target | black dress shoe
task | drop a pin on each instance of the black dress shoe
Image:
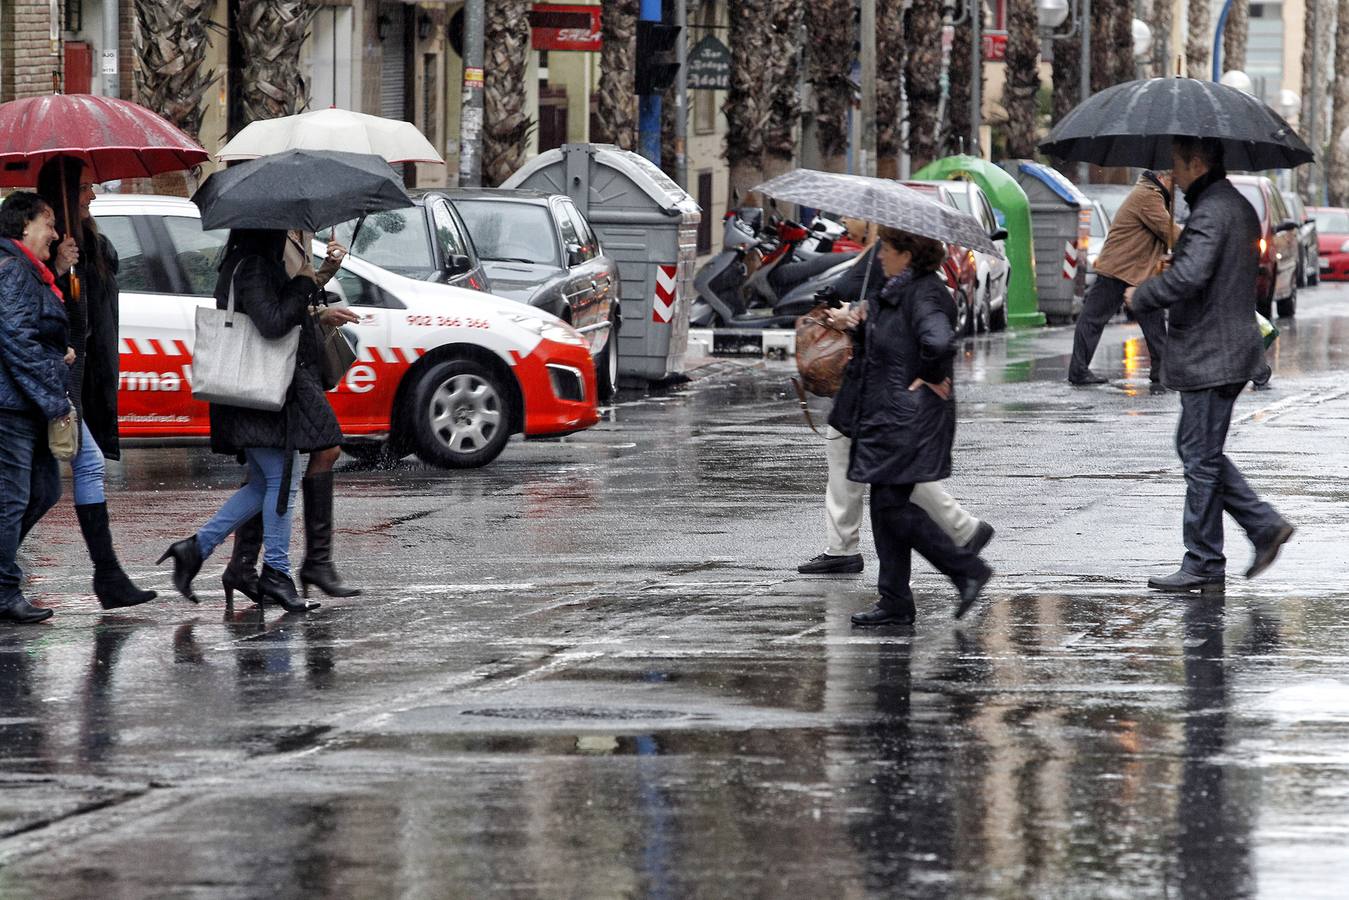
(1085, 380)
(979, 540)
(1157, 388)
(277, 587)
(1267, 548)
(21, 612)
(828, 564)
(1180, 580)
(880, 615)
(970, 589)
(186, 564)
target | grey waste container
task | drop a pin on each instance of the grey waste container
(649, 225)
(1060, 229)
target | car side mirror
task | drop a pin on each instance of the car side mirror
(574, 257)
(999, 234)
(1288, 225)
(458, 264)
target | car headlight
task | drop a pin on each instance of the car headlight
(1344, 248)
(560, 332)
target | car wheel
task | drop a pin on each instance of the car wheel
(964, 319)
(1288, 306)
(1300, 274)
(997, 318)
(459, 415)
(1265, 305)
(983, 313)
(606, 367)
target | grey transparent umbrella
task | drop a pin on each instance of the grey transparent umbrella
(881, 201)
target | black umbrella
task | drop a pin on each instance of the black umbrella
(305, 189)
(1132, 124)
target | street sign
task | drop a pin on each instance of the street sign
(995, 46)
(709, 66)
(563, 26)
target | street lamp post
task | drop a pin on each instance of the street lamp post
(1052, 15)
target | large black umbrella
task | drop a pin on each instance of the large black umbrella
(1132, 124)
(305, 189)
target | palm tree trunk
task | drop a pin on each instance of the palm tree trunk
(170, 41)
(784, 109)
(616, 108)
(891, 60)
(1198, 57)
(958, 136)
(1337, 174)
(747, 101)
(272, 33)
(1067, 93)
(830, 55)
(1315, 28)
(1023, 77)
(505, 126)
(1163, 65)
(1235, 34)
(1126, 67)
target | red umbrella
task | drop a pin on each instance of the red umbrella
(114, 138)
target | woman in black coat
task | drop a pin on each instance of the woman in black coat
(904, 423)
(269, 442)
(95, 374)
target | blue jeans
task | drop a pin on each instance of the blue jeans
(87, 470)
(30, 484)
(265, 465)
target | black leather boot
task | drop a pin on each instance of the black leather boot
(111, 585)
(21, 612)
(241, 574)
(276, 587)
(318, 568)
(186, 564)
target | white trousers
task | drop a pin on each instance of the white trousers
(843, 502)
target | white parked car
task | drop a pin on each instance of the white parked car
(994, 273)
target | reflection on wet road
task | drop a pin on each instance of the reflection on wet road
(590, 670)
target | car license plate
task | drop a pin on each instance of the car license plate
(1325, 263)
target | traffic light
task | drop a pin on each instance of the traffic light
(656, 66)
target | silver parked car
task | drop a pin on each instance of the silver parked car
(537, 248)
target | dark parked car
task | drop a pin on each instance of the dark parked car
(537, 248)
(1276, 283)
(1308, 268)
(429, 242)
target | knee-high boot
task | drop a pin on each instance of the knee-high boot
(111, 585)
(318, 568)
(241, 574)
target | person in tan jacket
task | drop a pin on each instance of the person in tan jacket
(1133, 250)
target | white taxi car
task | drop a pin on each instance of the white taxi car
(445, 372)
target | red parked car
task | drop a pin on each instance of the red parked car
(1332, 229)
(960, 270)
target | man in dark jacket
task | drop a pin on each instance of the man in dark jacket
(1213, 349)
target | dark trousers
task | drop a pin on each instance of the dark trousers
(899, 527)
(1212, 483)
(1103, 300)
(30, 484)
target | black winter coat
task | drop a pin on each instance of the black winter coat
(95, 377)
(275, 304)
(1211, 336)
(34, 377)
(901, 436)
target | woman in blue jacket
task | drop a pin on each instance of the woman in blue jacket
(34, 369)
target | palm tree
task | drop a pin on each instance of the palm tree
(1126, 66)
(271, 33)
(1235, 34)
(170, 41)
(830, 57)
(958, 137)
(747, 102)
(1067, 84)
(891, 52)
(506, 127)
(922, 86)
(1337, 171)
(1023, 77)
(1112, 43)
(616, 109)
(1162, 14)
(1198, 63)
(1317, 28)
(784, 105)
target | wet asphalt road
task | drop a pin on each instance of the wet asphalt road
(590, 670)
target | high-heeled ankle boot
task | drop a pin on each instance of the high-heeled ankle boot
(187, 561)
(318, 568)
(112, 587)
(241, 574)
(276, 587)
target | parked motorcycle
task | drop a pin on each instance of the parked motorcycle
(745, 284)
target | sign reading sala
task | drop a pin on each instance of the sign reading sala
(709, 66)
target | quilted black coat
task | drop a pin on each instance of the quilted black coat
(275, 304)
(901, 436)
(93, 333)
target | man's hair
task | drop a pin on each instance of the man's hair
(1209, 151)
(20, 208)
(927, 253)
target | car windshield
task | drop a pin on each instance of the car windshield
(1254, 196)
(510, 232)
(396, 240)
(1097, 222)
(1332, 221)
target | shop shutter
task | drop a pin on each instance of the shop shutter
(392, 99)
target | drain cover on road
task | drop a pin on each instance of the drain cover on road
(562, 713)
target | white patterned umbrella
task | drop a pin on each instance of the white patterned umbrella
(332, 129)
(881, 201)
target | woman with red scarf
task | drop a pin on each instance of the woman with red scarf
(34, 371)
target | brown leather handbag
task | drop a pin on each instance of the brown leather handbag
(822, 352)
